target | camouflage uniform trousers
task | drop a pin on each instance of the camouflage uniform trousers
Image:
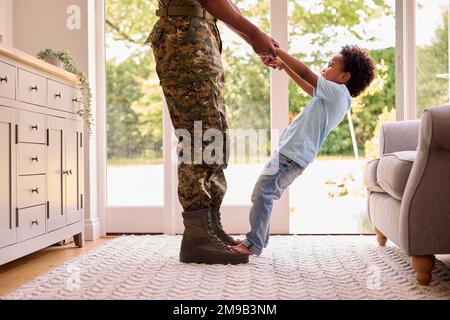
(187, 52)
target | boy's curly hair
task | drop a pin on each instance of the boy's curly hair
(358, 63)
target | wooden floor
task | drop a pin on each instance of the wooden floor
(18, 272)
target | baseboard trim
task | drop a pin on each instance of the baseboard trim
(92, 229)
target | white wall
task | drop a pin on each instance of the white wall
(6, 21)
(40, 24)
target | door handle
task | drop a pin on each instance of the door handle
(35, 190)
(35, 159)
(4, 79)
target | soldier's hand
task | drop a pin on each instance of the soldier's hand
(263, 45)
(275, 43)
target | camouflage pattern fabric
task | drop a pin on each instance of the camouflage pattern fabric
(177, 3)
(187, 49)
(187, 53)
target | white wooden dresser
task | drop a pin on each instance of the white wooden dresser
(41, 155)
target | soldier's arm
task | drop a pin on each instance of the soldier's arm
(225, 11)
(242, 35)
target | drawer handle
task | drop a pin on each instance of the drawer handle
(35, 88)
(36, 190)
(35, 159)
(35, 127)
(36, 222)
(58, 95)
(76, 100)
(68, 172)
(4, 79)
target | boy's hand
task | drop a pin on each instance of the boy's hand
(274, 63)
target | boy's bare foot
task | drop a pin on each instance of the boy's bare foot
(240, 248)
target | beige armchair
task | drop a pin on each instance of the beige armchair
(409, 188)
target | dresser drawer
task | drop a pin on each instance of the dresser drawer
(7, 81)
(31, 158)
(30, 190)
(32, 127)
(32, 88)
(31, 222)
(61, 97)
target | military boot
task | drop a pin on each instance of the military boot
(218, 228)
(201, 245)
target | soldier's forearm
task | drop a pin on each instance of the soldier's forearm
(242, 35)
(227, 12)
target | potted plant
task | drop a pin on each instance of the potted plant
(64, 60)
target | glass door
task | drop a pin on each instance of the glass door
(249, 114)
(134, 116)
(329, 197)
(432, 57)
(247, 97)
(141, 166)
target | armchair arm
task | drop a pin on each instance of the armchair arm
(425, 208)
(435, 131)
(399, 136)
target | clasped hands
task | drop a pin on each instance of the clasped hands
(266, 47)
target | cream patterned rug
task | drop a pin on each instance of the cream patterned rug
(292, 267)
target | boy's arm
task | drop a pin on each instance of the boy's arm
(298, 68)
(279, 64)
(300, 82)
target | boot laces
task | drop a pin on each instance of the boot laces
(211, 234)
(220, 228)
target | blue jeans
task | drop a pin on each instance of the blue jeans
(277, 175)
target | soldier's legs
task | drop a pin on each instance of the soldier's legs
(194, 186)
(217, 185)
(196, 108)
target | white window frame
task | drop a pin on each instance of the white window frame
(406, 98)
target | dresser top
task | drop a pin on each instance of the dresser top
(27, 59)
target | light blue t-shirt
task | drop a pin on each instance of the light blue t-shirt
(302, 140)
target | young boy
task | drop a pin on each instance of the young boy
(347, 75)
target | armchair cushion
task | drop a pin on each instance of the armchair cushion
(393, 172)
(370, 177)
